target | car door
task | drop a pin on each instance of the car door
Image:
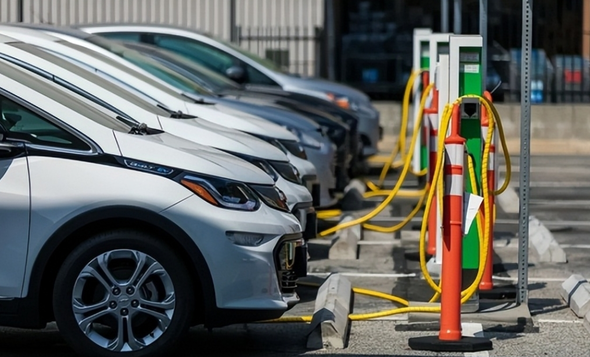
(41, 186)
(14, 205)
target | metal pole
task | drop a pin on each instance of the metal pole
(483, 31)
(444, 16)
(21, 11)
(457, 18)
(525, 138)
(232, 21)
(331, 45)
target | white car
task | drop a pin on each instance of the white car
(126, 236)
(130, 107)
(247, 68)
(135, 79)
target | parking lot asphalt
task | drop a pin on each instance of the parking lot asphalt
(560, 198)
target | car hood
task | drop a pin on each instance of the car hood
(235, 119)
(170, 150)
(307, 84)
(263, 108)
(210, 134)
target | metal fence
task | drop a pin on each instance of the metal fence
(274, 29)
(295, 49)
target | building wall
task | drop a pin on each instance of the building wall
(296, 17)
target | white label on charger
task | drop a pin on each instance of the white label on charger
(470, 68)
(471, 204)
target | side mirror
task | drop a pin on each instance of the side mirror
(235, 73)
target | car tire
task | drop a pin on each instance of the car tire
(123, 293)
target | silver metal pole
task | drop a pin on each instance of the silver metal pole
(233, 33)
(483, 31)
(457, 18)
(444, 16)
(525, 138)
(331, 39)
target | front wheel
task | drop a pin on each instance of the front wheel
(123, 293)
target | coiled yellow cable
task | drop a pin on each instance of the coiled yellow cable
(398, 185)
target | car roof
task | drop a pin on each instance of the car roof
(64, 30)
(153, 25)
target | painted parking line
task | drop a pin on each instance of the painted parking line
(548, 223)
(414, 275)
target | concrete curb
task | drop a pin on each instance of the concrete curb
(509, 200)
(330, 325)
(353, 199)
(544, 244)
(575, 291)
(345, 242)
(540, 238)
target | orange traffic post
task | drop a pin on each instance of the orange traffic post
(486, 286)
(449, 338)
(432, 118)
(450, 316)
(486, 282)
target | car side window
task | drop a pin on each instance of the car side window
(122, 36)
(257, 77)
(208, 56)
(21, 123)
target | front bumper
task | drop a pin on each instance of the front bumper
(342, 139)
(307, 216)
(324, 161)
(244, 277)
(369, 130)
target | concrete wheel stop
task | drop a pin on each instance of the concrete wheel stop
(330, 325)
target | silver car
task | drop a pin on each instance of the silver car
(245, 67)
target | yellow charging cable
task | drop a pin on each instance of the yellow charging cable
(398, 185)
(483, 236)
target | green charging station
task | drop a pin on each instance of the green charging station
(466, 77)
(421, 62)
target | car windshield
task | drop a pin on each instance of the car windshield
(261, 61)
(54, 92)
(93, 78)
(151, 66)
(140, 76)
(213, 80)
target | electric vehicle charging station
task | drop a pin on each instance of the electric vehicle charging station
(438, 74)
(421, 61)
(465, 77)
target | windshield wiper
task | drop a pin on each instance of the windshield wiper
(176, 114)
(143, 129)
(196, 98)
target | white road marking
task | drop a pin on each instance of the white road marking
(576, 246)
(368, 275)
(558, 223)
(531, 279)
(566, 203)
(551, 321)
(473, 330)
(547, 169)
(558, 184)
(414, 275)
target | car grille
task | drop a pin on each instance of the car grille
(290, 259)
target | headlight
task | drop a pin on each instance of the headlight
(287, 171)
(306, 139)
(309, 141)
(272, 196)
(343, 102)
(266, 167)
(222, 193)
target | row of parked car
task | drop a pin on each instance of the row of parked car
(154, 178)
